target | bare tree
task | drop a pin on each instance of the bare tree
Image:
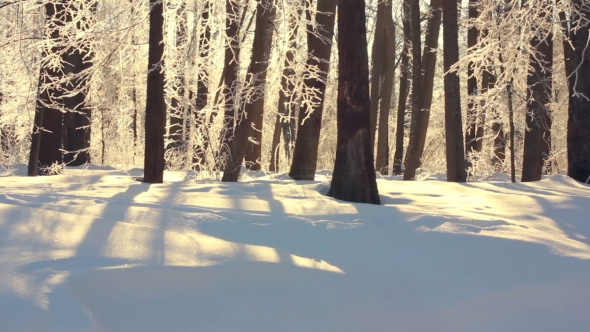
(155, 110)
(251, 121)
(455, 152)
(354, 172)
(421, 115)
(537, 139)
(257, 72)
(403, 91)
(383, 80)
(319, 44)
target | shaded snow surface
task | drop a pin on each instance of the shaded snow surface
(96, 250)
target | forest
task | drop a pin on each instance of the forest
(412, 88)
(295, 165)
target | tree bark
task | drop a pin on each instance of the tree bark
(388, 76)
(453, 123)
(253, 110)
(421, 115)
(305, 153)
(538, 118)
(50, 97)
(403, 93)
(230, 77)
(354, 172)
(78, 115)
(378, 62)
(265, 17)
(578, 126)
(155, 110)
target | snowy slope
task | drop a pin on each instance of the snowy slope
(96, 250)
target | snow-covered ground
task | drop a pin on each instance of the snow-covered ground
(96, 250)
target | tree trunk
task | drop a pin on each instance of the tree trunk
(578, 126)
(254, 109)
(453, 123)
(155, 110)
(421, 114)
(388, 39)
(474, 131)
(377, 71)
(33, 169)
(287, 101)
(305, 154)
(538, 118)
(403, 93)
(51, 94)
(77, 118)
(354, 172)
(230, 77)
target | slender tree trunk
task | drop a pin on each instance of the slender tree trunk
(474, 131)
(578, 126)
(509, 93)
(155, 110)
(377, 71)
(287, 100)
(421, 114)
(254, 108)
(453, 123)
(354, 172)
(538, 118)
(200, 156)
(37, 126)
(178, 107)
(265, 17)
(230, 77)
(403, 93)
(411, 156)
(388, 39)
(305, 154)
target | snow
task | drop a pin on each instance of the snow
(96, 250)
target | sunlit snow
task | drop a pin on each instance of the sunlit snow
(97, 250)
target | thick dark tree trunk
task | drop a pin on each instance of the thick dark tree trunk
(230, 77)
(453, 123)
(253, 110)
(287, 103)
(354, 172)
(578, 126)
(155, 110)
(77, 118)
(50, 97)
(305, 154)
(474, 123)
(265, 17)
(538, 118)
(403, 93)
(421, 116)
(387, 38)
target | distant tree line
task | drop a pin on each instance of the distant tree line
(257, 84)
